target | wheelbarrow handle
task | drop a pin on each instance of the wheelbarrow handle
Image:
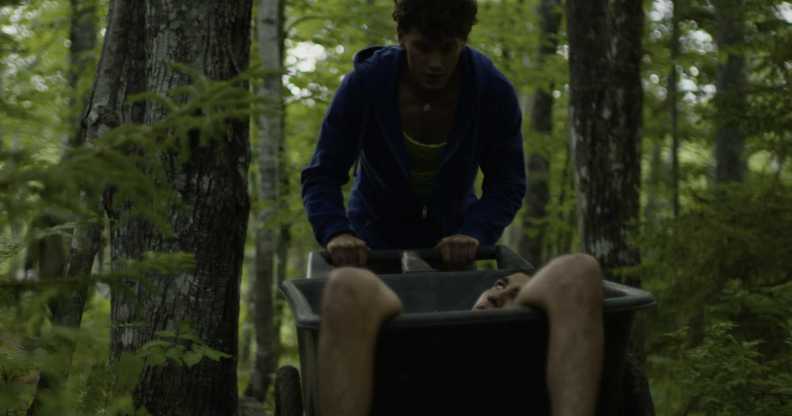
(319, 262)
(430, 254)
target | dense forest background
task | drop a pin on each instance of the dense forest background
(714, 230)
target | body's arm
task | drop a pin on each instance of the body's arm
(328, 170)
(503, 166)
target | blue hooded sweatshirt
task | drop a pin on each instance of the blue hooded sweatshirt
(363, 124)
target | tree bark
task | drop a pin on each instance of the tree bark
(209, 217)
(606, 98)
(270, 49)
(730, 100)
(653, 182)
(566, 217)
(50, 253)
(673, 89)
(86, 238)
(82, 36)
(605, 106)
(537, 163)
(284, 244)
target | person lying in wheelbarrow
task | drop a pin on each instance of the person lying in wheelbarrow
(356, 302)
(417, 122)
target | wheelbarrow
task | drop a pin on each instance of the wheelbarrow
(438, 356)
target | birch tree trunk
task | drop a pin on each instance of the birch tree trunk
(605, 107)
(537, 163)
(209, 217)
(270, 49)
(730, 99)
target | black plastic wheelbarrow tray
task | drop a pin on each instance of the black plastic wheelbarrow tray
(439, 357)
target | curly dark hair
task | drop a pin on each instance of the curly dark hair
(436, 17)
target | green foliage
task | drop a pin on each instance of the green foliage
(33, 65)
(180, 347)
(36, 182)
(719, 341)
(727, 375)
(30, 344)
(721, 272)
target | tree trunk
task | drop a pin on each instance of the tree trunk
(16, 228)
(208, 221)
(653, 181)
(49, 253)
(673, 89)
(284, 243)
(82, 36)
(537, 163)
(566, 217)
(606, 97)
(86, 238)
(730, 101)
(270, 47)
(606, 102)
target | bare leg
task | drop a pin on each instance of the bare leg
(354, 305)
(569, 289)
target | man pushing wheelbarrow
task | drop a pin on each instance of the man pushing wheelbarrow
(417, 121)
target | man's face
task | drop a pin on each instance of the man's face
(503, 294)
(432, 60)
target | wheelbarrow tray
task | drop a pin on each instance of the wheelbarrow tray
(440, 357)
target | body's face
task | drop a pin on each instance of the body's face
(431, 60)
(503, 294)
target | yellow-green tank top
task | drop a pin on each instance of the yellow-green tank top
(426, 160)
